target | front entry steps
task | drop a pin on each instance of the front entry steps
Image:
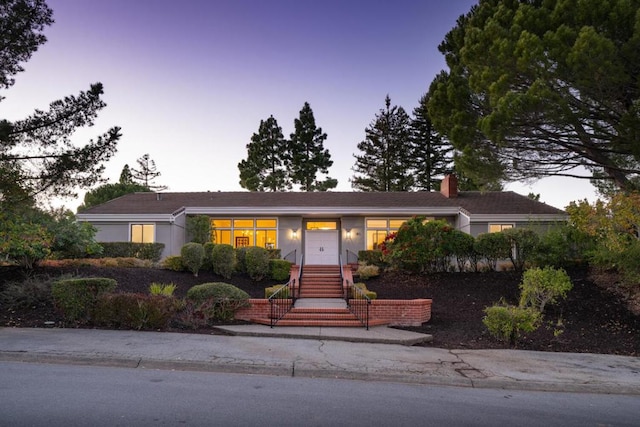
(320, 302)
(327, 312)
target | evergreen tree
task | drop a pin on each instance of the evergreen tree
(146, 174)
(264, 169)
(307, 153)
(431, 152)
(37, 157)
(125, 175)
(385, 162)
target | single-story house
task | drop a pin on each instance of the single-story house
(321, 225)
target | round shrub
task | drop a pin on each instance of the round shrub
(257, 261)
(279, 269)
(216, 290)
(208, 255)
(543, 286)
(507, 322)
(224, 259)
(174, 263)
(192, 256)
(76, 298)
(492, 247)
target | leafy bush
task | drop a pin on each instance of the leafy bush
(460, 246)
(173, 262)
(192, 257)
(507, 322)
(216, 300)
(543, 286)
(241, 256)
(363, 287)
(524, 243)
(71, 238)
(370, 257)
(199, 229)
(162, 289)
(257, 261)
(492, 247)
(273, 289)
(279, 269)
(150, 251)
(419, 246)
(207, 263)
(274, 253)
(133, 311)
(223, 259)
(365, 271)
(34, 291)
(76, 298)
(24, 243)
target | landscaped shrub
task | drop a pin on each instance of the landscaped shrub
(163, 289)
(365, 271)
(217, 300)
(150, 251)
(192, 257)
(279, 269)
(492, 247)
(257, 261)
(419, 246)
(506, 322)
(274, 253)
(460, 246)
(207, 263)
(76, 298)
(241, 255)
(33, 291)
(363, 287)
(24, 243)
(543, 286)
(223, 259)
(524, 242)
(199, 229)
(133, 311)
(173, 262)
(273, 289)
(371, 257)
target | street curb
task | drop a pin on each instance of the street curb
(291, 371)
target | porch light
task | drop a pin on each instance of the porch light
(348, 234)
(294, 233)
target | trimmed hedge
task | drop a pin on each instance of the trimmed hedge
(210, 301)
(216, 290)
(150, 251)
(134, 311)
(224, 260)
(192, 257)
(76, 298)
(257, 262)
(279, 269)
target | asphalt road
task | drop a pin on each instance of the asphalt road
(40, 394)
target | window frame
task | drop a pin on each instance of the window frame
(503, 226)
(232, 230)
(142, 224)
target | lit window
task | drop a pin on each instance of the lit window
(322, 225)
(496, 228)
(379, 228)
(143, 233)
(243, 232)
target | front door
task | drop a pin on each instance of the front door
(321, 247)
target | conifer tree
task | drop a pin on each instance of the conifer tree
(146, 174)
(431, 152)
(307, 154)
(385, 162)
(264, 169)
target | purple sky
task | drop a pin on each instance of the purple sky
(189, 81)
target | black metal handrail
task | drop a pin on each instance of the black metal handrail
(281, 302)
(359, 303)
(353, 259)
(295, 256)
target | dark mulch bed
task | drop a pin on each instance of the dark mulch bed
(591, 319)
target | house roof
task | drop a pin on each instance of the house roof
(469, 203)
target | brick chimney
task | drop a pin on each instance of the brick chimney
(449, 186)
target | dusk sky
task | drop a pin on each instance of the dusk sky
(189, 81)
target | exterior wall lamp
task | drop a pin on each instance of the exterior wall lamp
(348, 233)
(294, 233)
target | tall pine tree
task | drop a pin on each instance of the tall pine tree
(432, 154)
(146, 173)
(308, 156)
(385, 162)
(264, 169)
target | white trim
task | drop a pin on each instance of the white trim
(516, 217)
(125, 217)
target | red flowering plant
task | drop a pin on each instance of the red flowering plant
(387, 243)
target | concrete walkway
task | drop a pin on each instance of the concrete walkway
(318, 356)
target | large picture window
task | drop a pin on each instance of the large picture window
(143, 233)
(241, 232)
(379, 228)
